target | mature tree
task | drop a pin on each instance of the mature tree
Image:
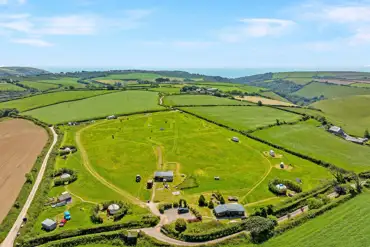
(211, 205)
(222, 200)
(338, 175)
(259, 103)
(366, 134)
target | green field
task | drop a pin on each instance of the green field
(190, 146)
(48, 99)
(308, 138)
(10, 87)
(169, 90)
(329, 91)
(351, 113)
(360, 84)
(244, 117)
(98, 107)
(300, 80)
(344, 226)
(135, 76)
(66, 82)
(200, 100)
(227, 87)
(41, 86)
(274, 96)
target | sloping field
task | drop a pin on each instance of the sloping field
(243, 117)
(119, 149)
(274, 96)
(351, 113)
(265, 101)
(10, 87)
(309, 139)
(21, 142)
(228, 87)
(98, 107)
(360, 84)
(48, 99)
(66, 82)
(344, 226)
(41, 86)
(300, 80)
(199, 100)
(330, 91)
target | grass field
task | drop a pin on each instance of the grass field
(48, 99)
(351, 113)
(300, 80)
(190, 146)
(10, 87)
(329, 90)
(41, 86)
(227, 87)
(135, 76)
(344, 226)
(264, 101)
(199, 100)
(360, 84)
(98, 107)
(66, 82)
(307, 138)
(244, 117)
(274, 96)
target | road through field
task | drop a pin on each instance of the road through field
(9, 240)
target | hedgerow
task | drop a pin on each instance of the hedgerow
(288, 183)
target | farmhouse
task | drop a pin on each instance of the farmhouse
(229, 210)
(113, 209)
(65, 197)
(336, 130)
(163, 176)
(49, 225)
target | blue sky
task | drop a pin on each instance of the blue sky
(185, 34)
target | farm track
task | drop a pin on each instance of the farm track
(90, 169)
(10, 238)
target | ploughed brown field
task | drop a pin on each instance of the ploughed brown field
(21, 141)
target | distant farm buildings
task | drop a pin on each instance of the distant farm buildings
(339, 132)
(229, 210)
(163, 176)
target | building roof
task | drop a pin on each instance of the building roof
(335, 128)
(48, 222)
(65, 175)
(354, 139)
(64, 196)
(163, 174)
(230, 207)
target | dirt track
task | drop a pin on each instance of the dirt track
(21, 142)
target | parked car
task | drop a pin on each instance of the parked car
(62, 222)
(182, 210)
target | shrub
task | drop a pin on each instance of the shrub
(324, 198)
(314, 203)
(211, 205)
(261, 229)
(180, 225)
(164, 206)
(202, 201)
(175, 204)
(196, 213)
(29, 178)
(340, 189)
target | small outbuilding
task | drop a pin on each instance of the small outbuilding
(111, 117)
(229, 210)
(232, 199)
(65, 176)
(235, 139)
(149, 184)
(138, 178)
(65, 197)
(336, 130)
(163, 176)
(282, 165)
(272, 153)
(49, 225)
(281, 187)
(113, 209)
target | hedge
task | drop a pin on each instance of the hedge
(13, 213)
(146, 221)
(299, 220)
(288, 183)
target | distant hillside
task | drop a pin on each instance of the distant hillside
(21, 71)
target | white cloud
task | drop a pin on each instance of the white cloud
(255, 28)
(32, 42)
(67, 25)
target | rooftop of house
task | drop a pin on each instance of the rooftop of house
(48, 222)
(230, 207)
(335, 128)
(163, 174)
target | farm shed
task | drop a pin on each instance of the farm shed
(113, 209)
(356, 140)
(49, 225)
(65, 197)
(111, 117)
(336, 130)
(229, 210)
(161, 176)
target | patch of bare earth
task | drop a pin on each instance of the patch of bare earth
(21, 141)
(264, 101)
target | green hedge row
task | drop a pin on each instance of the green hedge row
(146, 221)
(310, 215)
(12, 215)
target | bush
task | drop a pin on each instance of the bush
(180, 225)
(196, 213)
(261, 229)
(164, 206)
(314, 203)
(29, 178)
(175, 204)
(202, 201)
(211, 205)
